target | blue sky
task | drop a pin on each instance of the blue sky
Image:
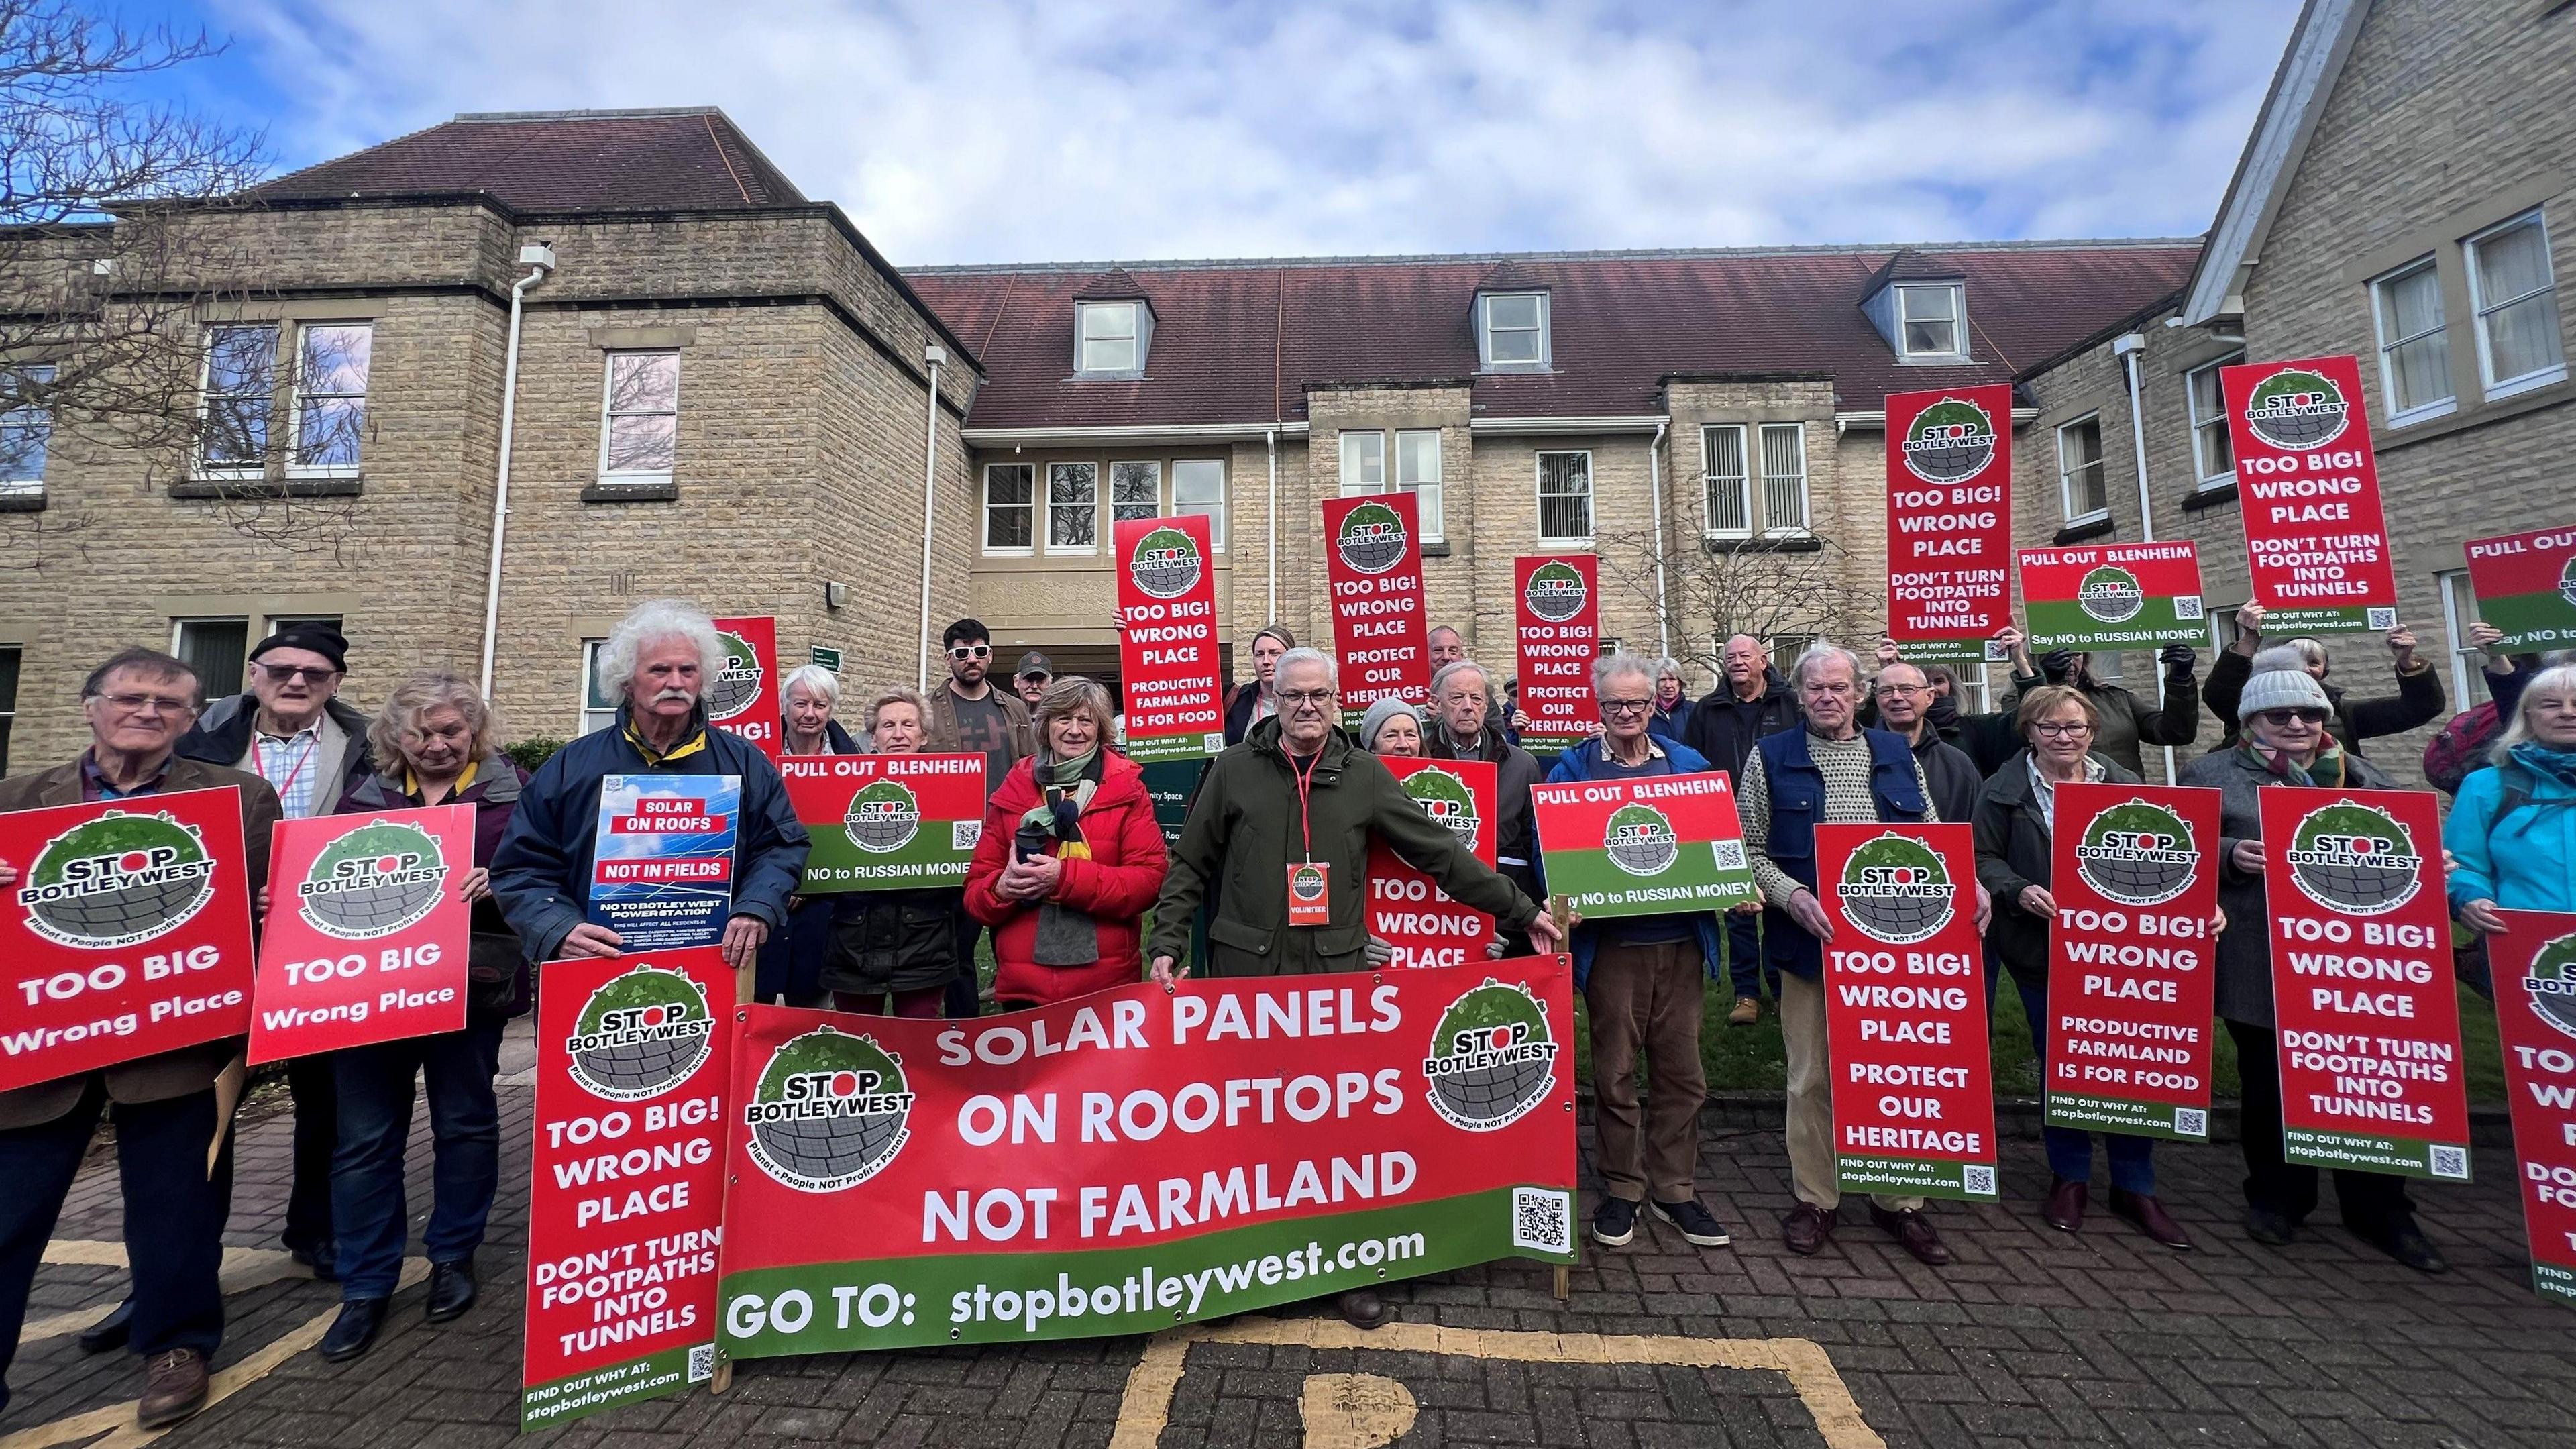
(971, 130)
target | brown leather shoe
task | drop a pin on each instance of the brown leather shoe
(2152, 1219)
(174, 1387)
(2064, 1208)
(1748, 1010)
(1913, 1232)
(1807, 1229)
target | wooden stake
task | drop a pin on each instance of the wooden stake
(745, 981)
(1557, 911)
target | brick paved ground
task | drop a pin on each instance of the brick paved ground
(2030, 1338)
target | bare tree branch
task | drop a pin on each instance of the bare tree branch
(1773, 588)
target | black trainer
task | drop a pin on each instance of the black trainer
(1615, 1222)
(1698, 1226)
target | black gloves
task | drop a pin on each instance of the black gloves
(2177, 659)
(2057, 666)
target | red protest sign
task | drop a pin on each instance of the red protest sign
(366, 936)
(1167, 652)
(1559, 610)
(886, 822)
(1905, 1011)
(1648, 845)
(2132, 977)
(2112, 596)
(1408, 908)
(2367, 1015)
(634, 1054)
(744, 698)
(2535, 999)
(127, 934)
(1373, 560)
(1949, 520)
(2308, 485)
(2526, 586)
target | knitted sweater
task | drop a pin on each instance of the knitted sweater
(1845, 765)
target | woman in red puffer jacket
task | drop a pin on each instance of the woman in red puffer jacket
(1070, 858)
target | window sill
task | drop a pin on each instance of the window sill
(2515, 387)
(254, 486)
(1435, 548)
(2479, 416)
(2429, 413)
(1573, 543)
(1933, 359)
(2079, 530)
(29, 499)
(2201, 498)
(1772, 543)
(647, 490)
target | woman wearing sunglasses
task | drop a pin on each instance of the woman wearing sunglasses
(2283, 716)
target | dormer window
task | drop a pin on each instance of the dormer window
(1110, 338)
(1511, 332)
(1931, 319)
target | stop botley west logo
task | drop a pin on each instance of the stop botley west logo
(2354, 859)
(830, 1111)
(1640, 840)
(1445, 798)
(1895, 889)
(116, 881)
(1166, 563)
(737, 687)
(1951, 441)
(883, 817)
(2295, 408)
(2551, 984)
(1372, 538)
(2137, 854)
(640, 1035)
(1555, 592)
(373, 881)
(2111, 595)
(1492, 1058)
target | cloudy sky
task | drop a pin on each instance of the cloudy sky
(968, 130)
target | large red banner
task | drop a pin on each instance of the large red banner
(2308, 489)
(1949, 520)
(2133, 872)
(1407, 908)
(744, 698)
(2362, 995)
(127, 934)
(1373, 560)
(1167, 649)
(366, 935)
(2535, 999)
(634, 1054)
(1905, 1011)
(1138, 1158)
(1559, 607)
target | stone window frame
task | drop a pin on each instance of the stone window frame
(2459, 596)
(1544, 331)
(2205, 481)
(1351, 457)
(1090, 545)
(1590, 496)
(2384, 344)
(1027, 507)
(15, 653)
(587, 689)
(635, 480)
(1806, 499)
(2498, 389)
(2099, 463)
(1711, 479)
(1958, 319)
(23, 491)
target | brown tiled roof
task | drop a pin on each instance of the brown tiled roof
(1232, 337)
(692, 159)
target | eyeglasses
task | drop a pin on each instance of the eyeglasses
(2062, 729)
(309, 673)
(971, 651)
(147, 704)
(1625, 706)
(2278, 717)
(1885, 690)
(1306, 696)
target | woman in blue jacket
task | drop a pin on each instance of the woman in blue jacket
(2512, 832)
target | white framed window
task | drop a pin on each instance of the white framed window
(1730, 500)
(639, 422)
(1931, 319)
(1784, 478)
(236, 399)
(2459, 611)
(1198, 487)
(1565, 497)
(1417, 471)
(2080, 486)
(1109, 338)
(2213, 452)
(1135, 490)
(2414, 350)
(598, 709)
(26, 430)
(1512, 331)
(1010, 507)
(1073, 507)
(1363, 462)
(9, 661)
(331, 364)
(2516, 298)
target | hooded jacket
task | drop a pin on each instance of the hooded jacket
(1114, 886)
(497, 970)
(221, 736)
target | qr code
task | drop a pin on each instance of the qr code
(2191, 1122)
(1978, 1179)
(962, 834)
(1213, 741)
(2186, 606)
(2451, 1162)
(702, 1363)
(2381, 619)
(1729, 853)
(1542, 1220)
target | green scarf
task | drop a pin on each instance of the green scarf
(1066, 936)
(2325, 772)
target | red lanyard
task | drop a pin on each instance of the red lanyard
(301, 761)
(1305, 799)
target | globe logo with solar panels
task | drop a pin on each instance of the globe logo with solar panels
(1445, 798)
(1166, 563)
(373, 881)
(1640, 840)
(2567, 580)
(1371, 539)
(1897, 890)
(1492, 1058)
(831, 1111)
(1555, 592)
(2295, 408)
(117, 880)
(736, 687)
(883, 817)
(641, 1034)
(2137, 854)
(2354, 858)
(2110, 594)
(2551, 984)
(1951, 441)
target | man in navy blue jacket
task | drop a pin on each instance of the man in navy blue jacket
(658, 662)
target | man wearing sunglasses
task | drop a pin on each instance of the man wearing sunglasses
(970, 716)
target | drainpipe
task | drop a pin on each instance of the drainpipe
(933, 355)
(539, 259)
(1270, 439)
(1655, 485)
(2129, 349)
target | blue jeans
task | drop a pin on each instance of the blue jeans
(1745, 968)
(2070, 1152)
(375, 1127)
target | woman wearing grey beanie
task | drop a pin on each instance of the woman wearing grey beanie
(1403, 740)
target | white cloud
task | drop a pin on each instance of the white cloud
(969, 130)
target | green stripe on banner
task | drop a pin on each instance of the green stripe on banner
(1174, 747)
(2366, 1152)
(1917, 1177)
(2552, 1281)
(2529, 621)
(2136, 1119)
(934, 856)
(545, 1406)
(986, 1297)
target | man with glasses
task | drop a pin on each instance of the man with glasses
(292, 729)
(969, 716)
(171, 1111)
(1904, 698)
(1463, 728)
(1644, 979)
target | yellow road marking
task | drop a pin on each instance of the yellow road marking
(1355, 1411)
(243, 1270)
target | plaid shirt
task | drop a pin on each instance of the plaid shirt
(291, 764)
